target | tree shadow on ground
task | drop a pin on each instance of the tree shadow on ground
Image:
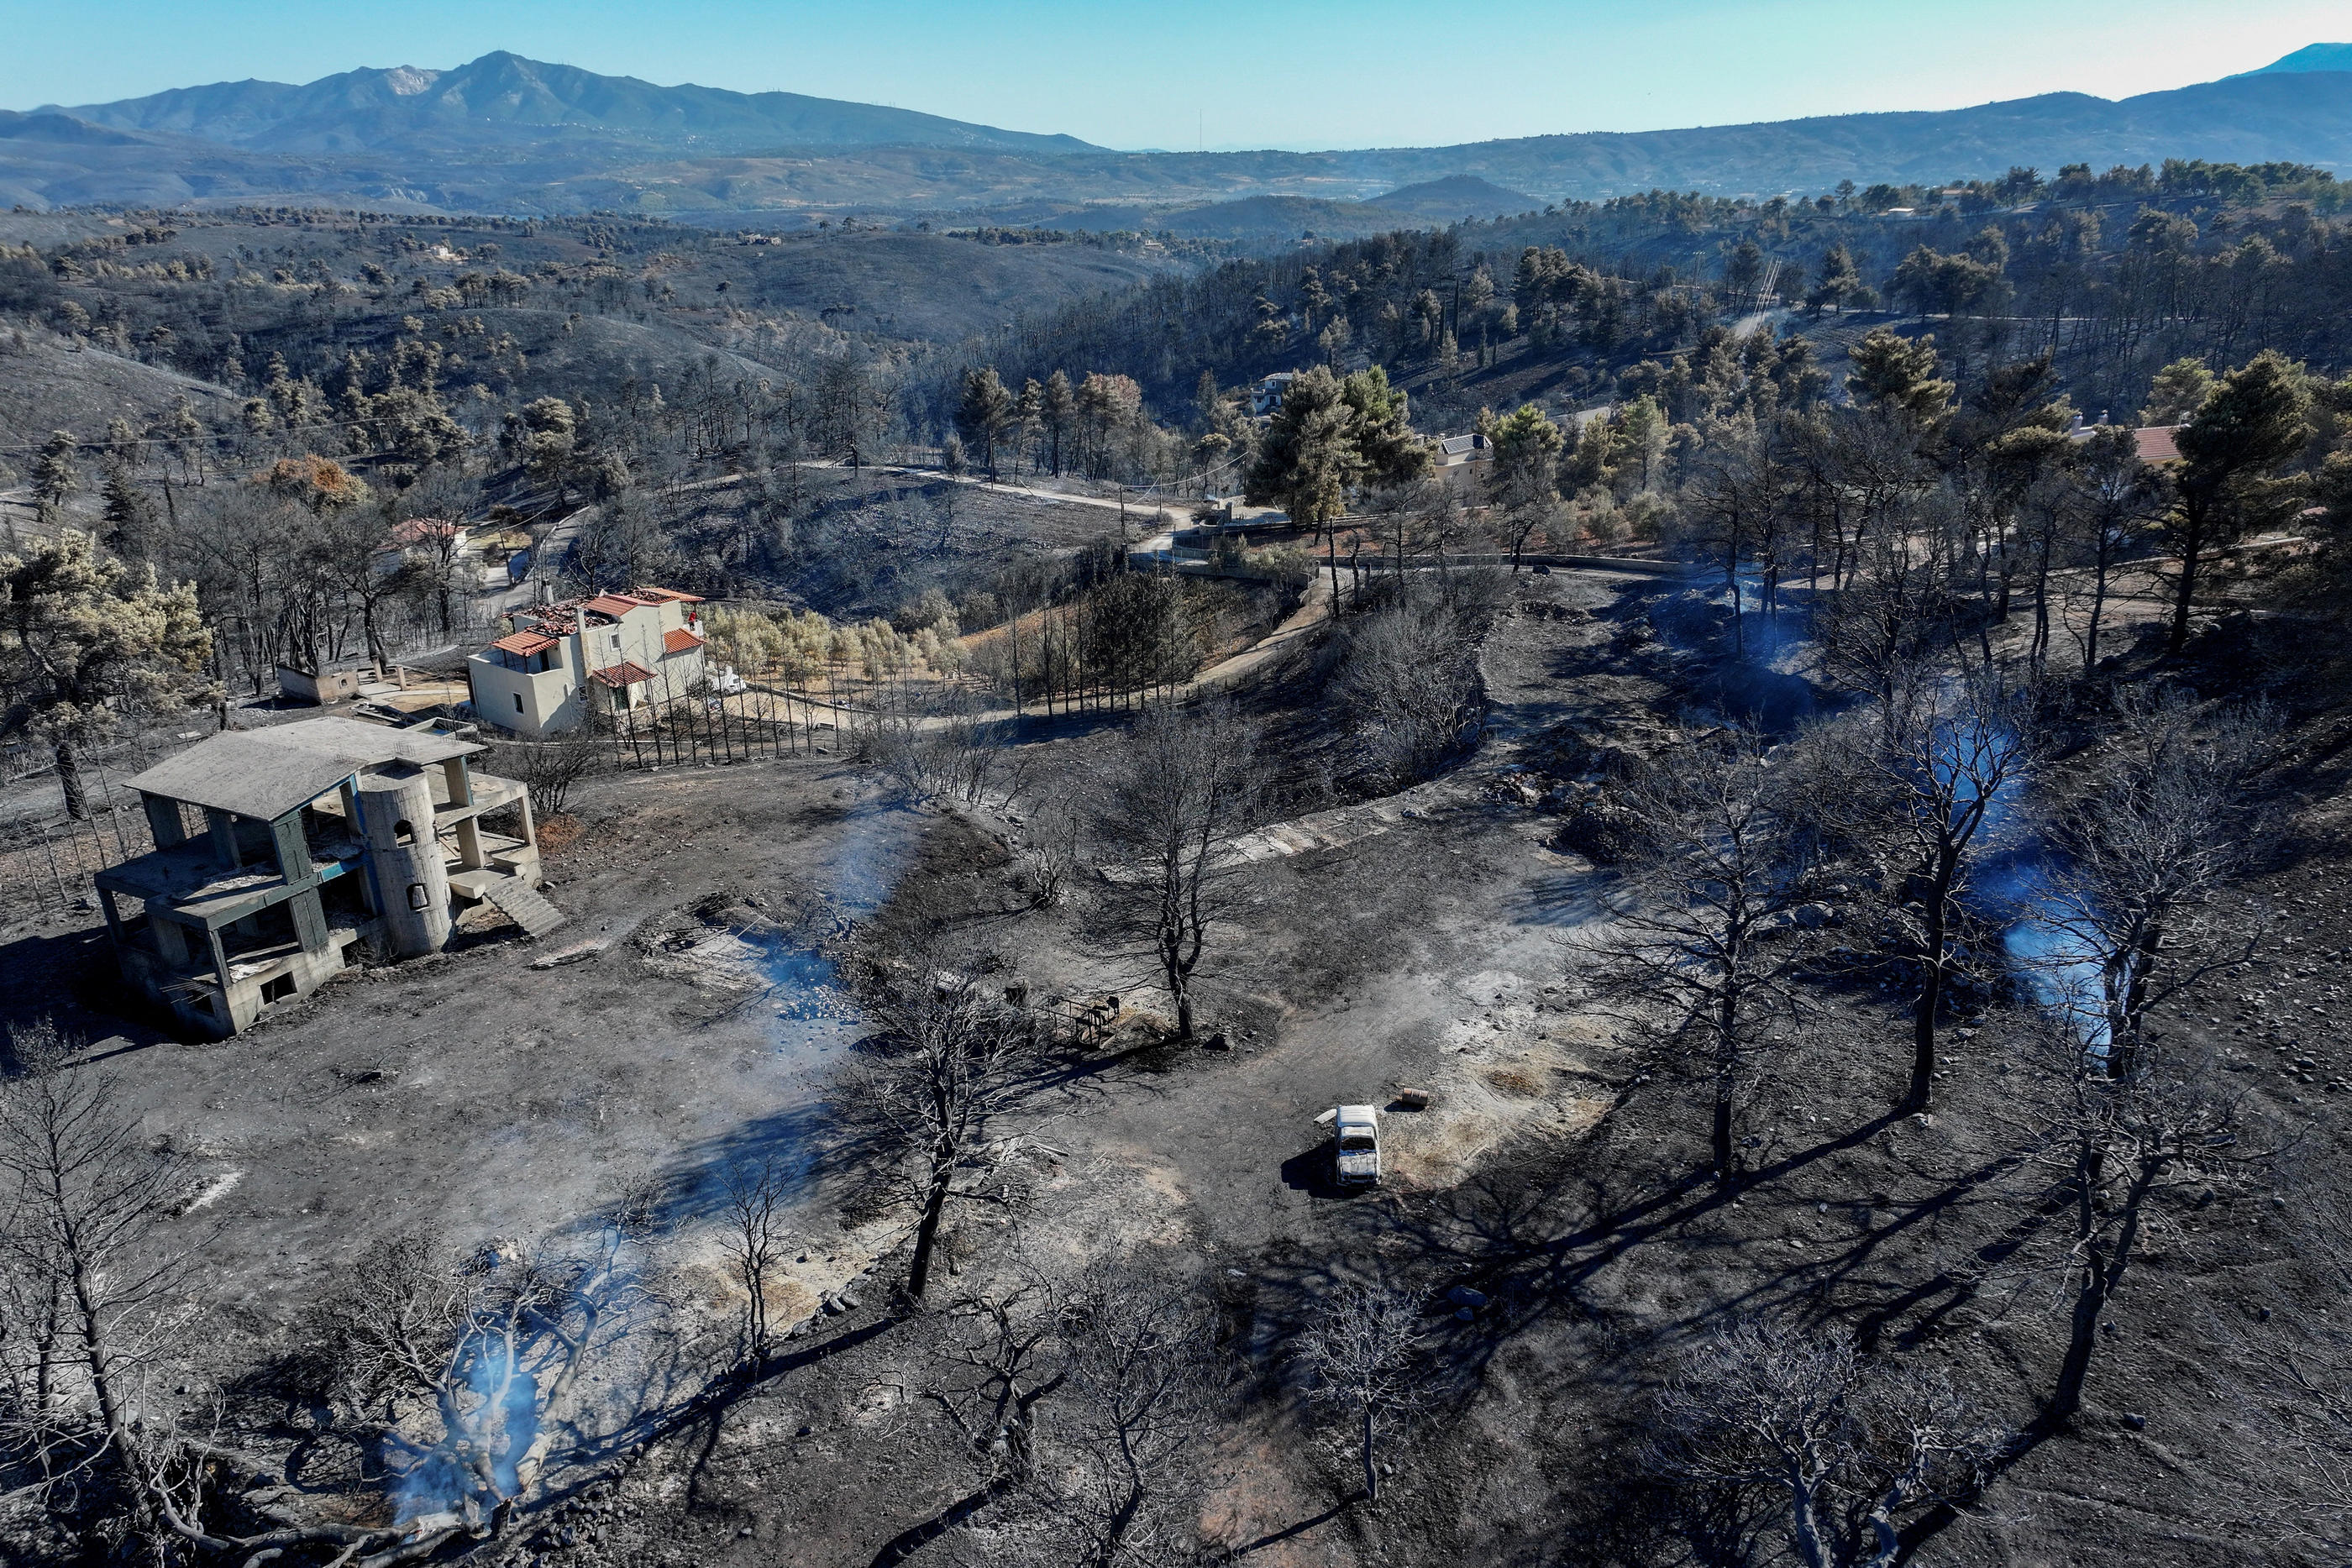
(69, 976)
(805, 1144)
(1556, 898)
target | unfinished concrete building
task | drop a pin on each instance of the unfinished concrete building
(284, 856)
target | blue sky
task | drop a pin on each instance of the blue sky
(1275, 73)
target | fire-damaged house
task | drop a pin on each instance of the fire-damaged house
(609, 654)
(284, 855)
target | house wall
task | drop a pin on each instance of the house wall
(1466, 475)
(550, 701)
(325, 687)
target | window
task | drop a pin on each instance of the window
(518, 698)
(402, 833)
(277, 990)
(416, 896)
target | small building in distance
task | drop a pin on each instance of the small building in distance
(284, 855)
(2158, 444)
(1462, 459)
(332, 681)
(611, 653)
(1267, 396)
(425, 541)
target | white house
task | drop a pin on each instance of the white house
(1460, 459)
(609, 654)
(1267, 396)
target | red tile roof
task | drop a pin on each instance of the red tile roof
(613, 604)
(523, 643)
(628, 672)
(678, 642)
(2156, 443)
(417, 530)
(667, 596)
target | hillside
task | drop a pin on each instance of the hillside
(49, 383)
(503, 99)
(1455, 196)
(509, 135)
(2311, 57)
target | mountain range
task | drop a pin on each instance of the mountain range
(508, 134)
(503, 99)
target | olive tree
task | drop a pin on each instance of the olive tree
(946, 1065)
(1705, 923)
(1365, 1353)
(1181, 785)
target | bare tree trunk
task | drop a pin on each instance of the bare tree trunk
(2082, 1338)
(1931, 983)
(69, 781)
(926, 1230)
(2098, 607)
(1922, 1018)
(2192, 538)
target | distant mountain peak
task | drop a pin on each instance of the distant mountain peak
(2310, 57)
(408, 82)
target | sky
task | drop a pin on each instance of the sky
(1272, 73)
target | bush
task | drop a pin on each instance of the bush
(1409, 678)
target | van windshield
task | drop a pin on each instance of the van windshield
(1355, 1140)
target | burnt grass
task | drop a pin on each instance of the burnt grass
(1929, 1236)
(1599, 1252)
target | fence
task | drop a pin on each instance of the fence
(756, 723)
(48, 866)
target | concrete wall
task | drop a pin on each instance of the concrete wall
(333, 685)
(163, 978)
(412, 879)
(535, 704)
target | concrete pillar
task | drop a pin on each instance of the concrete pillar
(459, 783)
(404, 854)
(224, 831)
(470, 844)
(171, 940)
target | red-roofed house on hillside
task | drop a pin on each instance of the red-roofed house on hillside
(430, 541)
(608, 654)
